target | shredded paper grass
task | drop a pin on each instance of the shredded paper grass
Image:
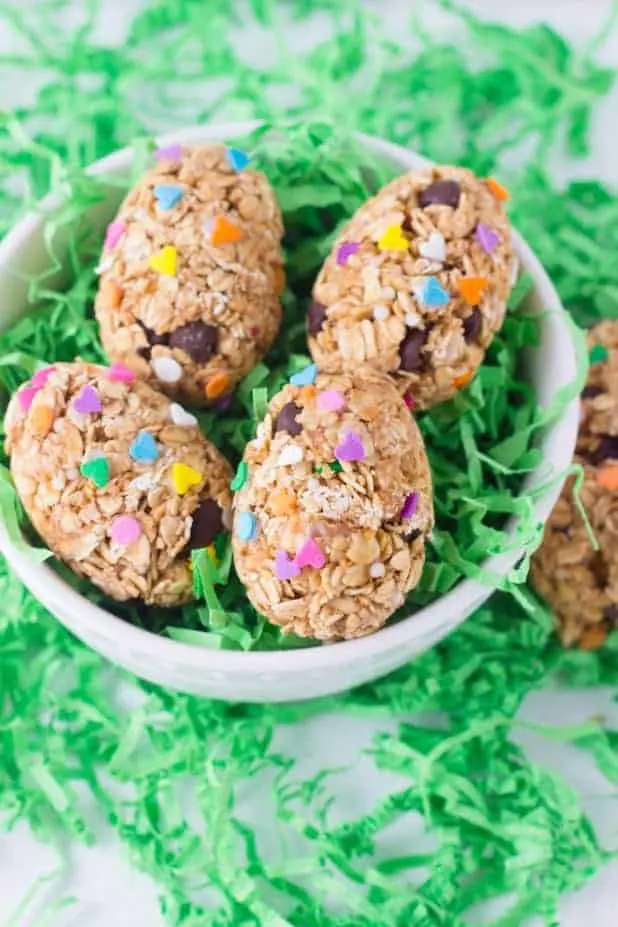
(493, 824)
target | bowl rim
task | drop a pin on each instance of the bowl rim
(445, 613)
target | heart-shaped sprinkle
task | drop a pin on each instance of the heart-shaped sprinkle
(97, 470)
(167, 195)
(305, 377)
(410, 506)
(165, 261)
(206, 525)
(331, 400)
(285, 566)
(431, 293)
(472, 289)
(236, 158)
(434, 249)
(114, 232)
(87, 402)
(246, 526)
(598, 354)
(120, 373)
(144, 448)
(607, 477)
(166, 369)
(169, 153)
(310, 555)
(286, 420)
(316, 316)
(26, 395)
(41, 377)
(380, 314)
(377, 570)
(440, 193)
(351, 448)
(463, 379)
(184, 477)
(345, 251)
(487, 237)
(291, 455)
(224, 232)
(393, 239)
(181, 417)
(409, 400)
(125, 529)
(498, 190)
(217, 385)
(241, 476)
(307, 394)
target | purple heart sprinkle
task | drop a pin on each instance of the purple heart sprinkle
(346, 250)
(115, 231)
(87, 402)
(487, 237)
(285, 566)
(169, 153)
(351, 448)
(409, 506)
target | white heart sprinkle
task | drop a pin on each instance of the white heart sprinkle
(166, 369)
(181, 417)
(434, 249)
(380, 313)
(104, 265)
(412, 319)
(290, 455)
(377, 570)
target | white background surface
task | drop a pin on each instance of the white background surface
(108, 892)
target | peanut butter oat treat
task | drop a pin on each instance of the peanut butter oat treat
(331, 521)
(191, 273)
(417, 283)
(578, 582)
(119, 482)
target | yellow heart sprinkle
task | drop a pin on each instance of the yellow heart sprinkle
(184, 477)
(393, 239)
(165, 261)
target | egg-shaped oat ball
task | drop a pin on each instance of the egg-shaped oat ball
(331, 522)
(417, 283)
(119, 482)
(192, 273)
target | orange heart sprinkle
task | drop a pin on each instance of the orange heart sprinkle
(110, 295)
(472, 289)
(498, 189)
(307, 394)
(593, 638)
(41, 419)
(608, 478)
(282, 502)
(463, 379)
(217, 385)
(225, 232)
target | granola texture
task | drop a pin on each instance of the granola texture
(119, 508)
(371, 308)
(351, 532)
(210, 303)
(578, 582)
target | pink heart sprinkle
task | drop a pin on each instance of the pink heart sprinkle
(346, 250)
(409, 401)
(285, 566)
(331, 400)
(351, 448)
(87, 402)
(410, 505)
(119, 373)
(26, 396)
(310, 555)
(115, 231)
(169, 153)
(41, 376)
(125, 530)
(487, 237)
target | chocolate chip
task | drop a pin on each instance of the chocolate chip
(598, 568)
(410, 350)
(589, 392)
(606, 449)
(154, 338)
(286, 420)
(440, 193)
(472, 326)
(411, 536)
(610, 613)
(316, 315)
(196, 339)
(207, 524)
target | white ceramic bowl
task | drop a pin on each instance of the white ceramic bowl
(301, 674)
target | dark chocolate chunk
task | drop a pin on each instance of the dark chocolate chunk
(610, 613)
(411, 536)
(154, 338)
(606, 449)
(472, 326)
(286, 420)
(440, 193)
(316, 314)
(410, 350)
(589, 392)
(196, 339)
(207, 524)
(599, 569)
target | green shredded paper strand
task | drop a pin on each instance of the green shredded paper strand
(494, 823)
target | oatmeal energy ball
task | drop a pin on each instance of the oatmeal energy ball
(416, 285)
(578, 582)
(119, 482)
(191, 273)
(335, 505)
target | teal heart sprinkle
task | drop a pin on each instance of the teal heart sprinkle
(167, 195)
(242, 474)
(144, 448)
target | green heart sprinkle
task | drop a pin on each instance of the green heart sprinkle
(240, 479)
(96, 470)
(598, 354)
(335, 466)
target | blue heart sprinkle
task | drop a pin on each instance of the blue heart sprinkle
(144, 448)
(236, 158)
(306, 376)
(246, 526)
(434, 293)
(167, 195)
